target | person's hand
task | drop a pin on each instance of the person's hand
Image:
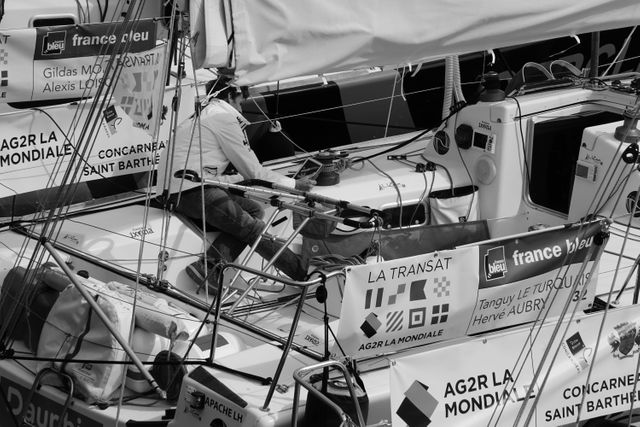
(275, 126)
(305, 184)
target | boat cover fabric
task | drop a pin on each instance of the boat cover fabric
(74, 331)
(396, 243)
(276, 39)
(25, 301)
(451, 206)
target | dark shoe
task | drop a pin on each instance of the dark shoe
(288, 262)
(196, 272)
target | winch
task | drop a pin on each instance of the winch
(333, 162)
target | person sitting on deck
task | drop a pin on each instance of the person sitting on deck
(211, 146)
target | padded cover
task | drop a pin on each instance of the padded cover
(73, 331)
(25, 301)
(451, 206)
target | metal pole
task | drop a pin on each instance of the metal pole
(637, 288)
(247, 257)
(595, 50)
(285, 350)
(627, 280)
(269, 263)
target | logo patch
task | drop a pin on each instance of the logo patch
(53, 42)
(495, 263)
(418, 406)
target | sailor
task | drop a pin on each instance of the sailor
(212, 146)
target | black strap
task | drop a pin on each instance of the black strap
(74, 352)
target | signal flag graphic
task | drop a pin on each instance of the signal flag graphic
(368, 296)
(394, 321)
(416, 293)
(370, 325)
(440, 314)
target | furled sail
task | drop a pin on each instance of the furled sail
(271, 40)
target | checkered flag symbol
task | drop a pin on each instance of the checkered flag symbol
(393, 298)
(4, 57)
(441, 287)
(127, 103)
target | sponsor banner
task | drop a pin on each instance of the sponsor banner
(69, 61)
(86, 40)
(586, 379)
(34, 153)
(515, 259)
(407, 302)
(527, 300)
(531, 299)
(521, 276)
(66, 61)
(137, 88)
(40, 411)
(419, 300)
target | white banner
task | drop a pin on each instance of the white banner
(525, 278)
(485, 381)
(525, 300)
(66, 61)
(34, 153)
(407, 302)
(137, 88)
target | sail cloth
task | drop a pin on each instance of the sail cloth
(276, 39)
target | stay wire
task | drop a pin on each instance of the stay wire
(549, 300)
(88, 132)
(562, 336)
(63, 194)
(424, 194)
(536, 329)
(408, 141)
(147, 205)
(273, 124)
(473, 185)
(527, 169)
(395, 186)
(391, 99)
(598, 338)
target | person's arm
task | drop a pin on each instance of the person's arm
(230, 137)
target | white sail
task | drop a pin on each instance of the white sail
(274, 39)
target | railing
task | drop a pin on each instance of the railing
(304, 288)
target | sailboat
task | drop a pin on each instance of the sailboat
(480, 272)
